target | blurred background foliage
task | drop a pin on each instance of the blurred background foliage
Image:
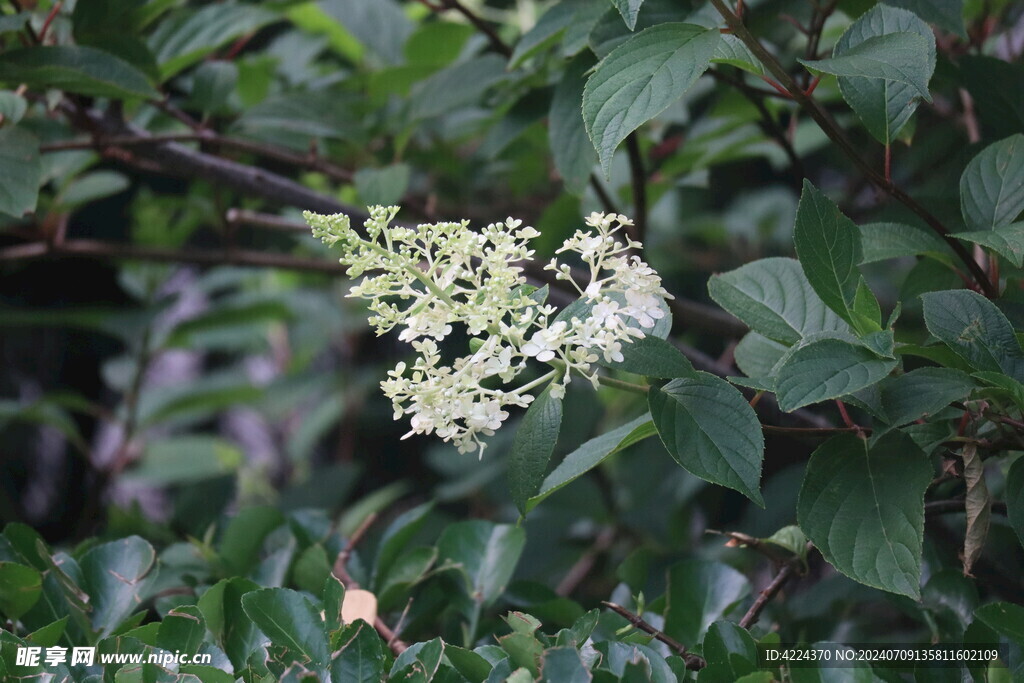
(177, 349)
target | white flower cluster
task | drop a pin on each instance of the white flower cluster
(427, 278)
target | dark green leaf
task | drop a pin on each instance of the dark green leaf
(1004, 618)
(1007, 241)
(183, 629)
(563, 665)
(899, 57)
(231, 627)
(730, 652)
(629, 9)
(396, 539)
(473, 666)
(652, 357)
(700, 593)
(883, 105)
(113, 575)
(774, 297)
(361, 655)
(946, 14)
(532, 448)
(829, 247)
(456, 86)
(560, 19)
(13, 106)
(998, 91)
(20, 587)
(974, 329)
(185, 38)
(382, 186)
(922, 392)
(593, 453)
(290, 620)
(243, 537)
(883, 241)
(485, 553)
(20, 171)
(75, 69)
(571, 149)
(826, 369)
(992, 185)
(185, 460)
(734, 52)
(609, 31)
(381, 26)
(864, 509)
(640, 79)
(711, 430)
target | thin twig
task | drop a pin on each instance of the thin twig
(497, 43)
(638, 178)
(581, 569)
(944, 507)
(752, 615)
(693, 662)
(836, 134)
(822, 432)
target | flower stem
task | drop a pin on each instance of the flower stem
(624, 386)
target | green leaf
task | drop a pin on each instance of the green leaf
(182, 628)
(571, 150)
(884, 105)
(652, 357)
(593, 453)
(532, 448)
(1014, 492)
(629, 9)
(49, 635)
(730, 652)
(561, 19)
(1007, 241)
(1004, 618)
(757, 356)
(700, 593)
(472, 665)
(485, 553)
(710, 429)
(20, 171)
(396, 539)
(563, 665)
(774, 297)
(212, 85)
(75, 69)
(185, 460)
(231, 627)
(734, 52)
(998, 91)
(13, 106)
(946, 14)
(20, 588)
(456, 86)
(113, 575)
(640, 79)
(899, 57)
(922, 392)
(382, 186)
(883, 241)
(827, 369)
(381, 26)
(289, 619)
(333, 597)
(244, 535)
(864, 509)
(609, 31)
(975, 329)
(992, 185)
(190, 35)
(829, 247)
(361, 655)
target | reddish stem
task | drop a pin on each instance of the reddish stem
(888, 162)
(49, 20)
(813, 85)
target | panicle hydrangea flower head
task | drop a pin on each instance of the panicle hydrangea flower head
(428, 278)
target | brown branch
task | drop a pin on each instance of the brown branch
(785, 574)
(497, 43)
(579, 571)
(340, 570)
(820, 432)
(693, 662)
(836, 134)
(944, 507)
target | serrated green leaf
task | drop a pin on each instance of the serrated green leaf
(593, 453)
(774, 297)
(946, 14)
(485, 553)
(75, 69)
(883, 241)
(1014, 493)
(901, 57)
(546, 31)
(184, 38)
(992, 185)
(829, 247)
(827, 369)
(182, 628)
(629, 9)
(20, 171)
(396, 538)
(240, 544)
(884, 105)
(571, 149)
(20, 588)
(734, 52)
(974, 329)
(710, 429)
(640, 79)
(700, 593)
(289, 620)
(757, 355)
(922, 392)
(532, 448)
(652, 357)
(730, 652)
(361, 656)
(609, 31)
(113, 575)
(563, 665)
(864, 509)
(232, 628)
(1007, 241)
